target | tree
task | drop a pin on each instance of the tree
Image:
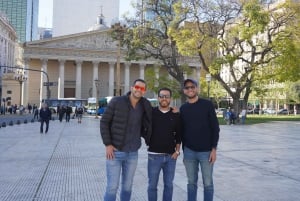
(243, 37)
(149, 38)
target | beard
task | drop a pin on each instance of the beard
(192, 96)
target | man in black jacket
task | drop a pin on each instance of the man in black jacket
(124, 121)
(45, 116)
(164, 146)
(200, 138)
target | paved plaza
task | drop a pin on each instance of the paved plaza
(255, 163)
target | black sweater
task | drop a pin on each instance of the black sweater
(200, 125)
(166, 132)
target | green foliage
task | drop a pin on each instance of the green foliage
(154, 83)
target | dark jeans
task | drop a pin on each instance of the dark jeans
(68, 117)
(42, 125)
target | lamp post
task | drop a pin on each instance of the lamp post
(208, 80)
(20, 76)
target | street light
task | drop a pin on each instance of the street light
(20, 76)
(208, 80)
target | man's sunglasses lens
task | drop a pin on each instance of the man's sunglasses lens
(139, 88)
(164, 96)
(189, 87)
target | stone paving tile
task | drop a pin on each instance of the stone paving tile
(255, 163)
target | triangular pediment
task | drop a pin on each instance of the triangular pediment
(93, 40)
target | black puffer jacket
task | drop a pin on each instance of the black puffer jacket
(113, 124)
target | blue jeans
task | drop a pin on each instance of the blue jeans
(157, 162)
(191, 160)
(125, 163)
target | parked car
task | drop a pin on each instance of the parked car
(283, 111)
(91, 111)
(269, 111)
(254, 111)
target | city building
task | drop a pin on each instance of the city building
(23, 15)
(76, 16)
(82, 65)
(8, 43)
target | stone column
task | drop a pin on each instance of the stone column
(156, 70)
(78, 79)
(142, 71)
(95, 77)
(127, 78)
(61, 79)
(43, 89)
(111, 79)
(198, 73)
(26, 83)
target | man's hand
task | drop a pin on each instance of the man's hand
(110, 152)
(175, 155)
(175, 109)
(213, 156)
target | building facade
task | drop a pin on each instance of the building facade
(82, 65)
(23, 15)
(76, 16)
(8, 43)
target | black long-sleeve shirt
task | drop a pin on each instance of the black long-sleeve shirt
(200, 125)
(166, 131)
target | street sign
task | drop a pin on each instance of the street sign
(51, 84)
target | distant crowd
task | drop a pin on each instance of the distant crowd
(18, 109)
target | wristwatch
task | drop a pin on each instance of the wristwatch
(177, 152)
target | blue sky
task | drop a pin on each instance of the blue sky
(46, 7)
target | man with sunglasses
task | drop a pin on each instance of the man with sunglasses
(126, 119)
(164, 146)
(200, 136)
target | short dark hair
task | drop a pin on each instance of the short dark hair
(165, 89)
(138, 80)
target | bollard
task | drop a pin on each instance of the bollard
(32, 120)
(3, 124)
(25, 121)
(18, 122)
(11, 123)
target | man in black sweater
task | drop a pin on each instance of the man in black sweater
(200, 138)
(45, 116)
(164, 146)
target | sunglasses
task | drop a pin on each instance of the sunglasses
(189, 87)
(164, 96)
(139, 88)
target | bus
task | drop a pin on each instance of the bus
(91, 105)
(73, 102)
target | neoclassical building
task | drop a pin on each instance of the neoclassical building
(81, 65)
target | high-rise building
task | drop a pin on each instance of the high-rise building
(23, 15)
(75, 16)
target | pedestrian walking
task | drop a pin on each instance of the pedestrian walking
(45, 116)
(68, 113)
(36, 114)
(200, 138)
(243, 115)
(164, 146)
(79, 112)
(124, 121)
(61, 111)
